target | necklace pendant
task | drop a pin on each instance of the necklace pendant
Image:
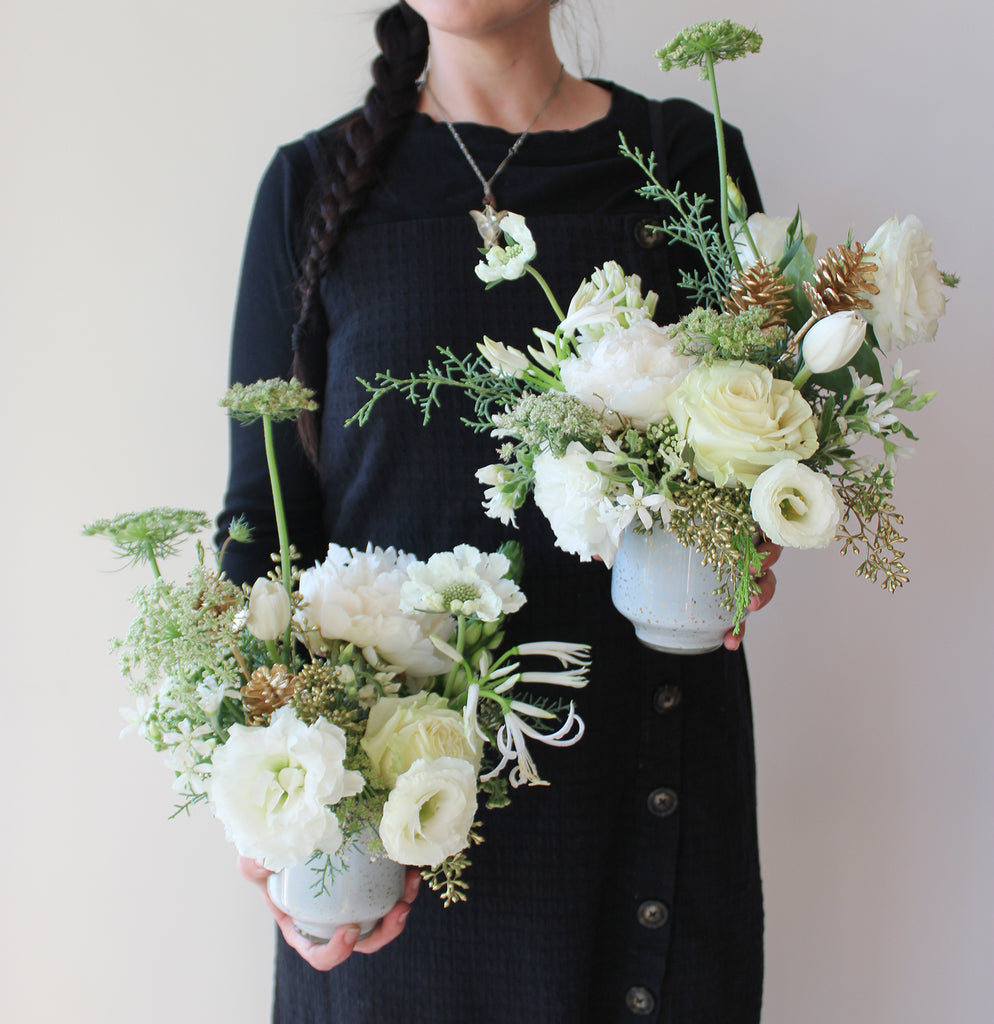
(487, 222)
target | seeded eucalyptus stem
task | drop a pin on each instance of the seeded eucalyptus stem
(719, 132)
(548, 291)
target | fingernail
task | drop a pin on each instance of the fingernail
(403, 917)
(351, 936)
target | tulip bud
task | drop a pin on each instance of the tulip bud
(269, 610)
(833, 341)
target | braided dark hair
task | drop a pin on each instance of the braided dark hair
(355, 155)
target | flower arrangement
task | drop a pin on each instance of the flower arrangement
(740, 420)
(372, 690)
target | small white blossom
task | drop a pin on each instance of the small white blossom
(508, 262)
(463, 581)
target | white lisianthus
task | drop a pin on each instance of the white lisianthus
(629, 371)
(499, 500)
(429, 813)
(273, 788)
(402, 730)
(569, 494)
(910, 301)
(795, 506)
(464, 581)
(508, 262)
(355, 596)
(740, 419)
(770, 236)
(268, 610)
(608, 300)
(833, 341)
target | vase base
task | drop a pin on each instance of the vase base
(678, 641)
(321, 934)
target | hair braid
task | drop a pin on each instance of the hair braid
(356, 153)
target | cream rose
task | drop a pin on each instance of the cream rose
(571, 496)
(770, 236)
(910, 301)
(740, 419)
(428, 815)
(630, 371)
(402, 730)
(795, 506)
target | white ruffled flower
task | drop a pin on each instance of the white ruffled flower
(770, 236)
(463, 581)
(833, 341)
(629, 371)
(508, 262)
(910, 301)
(795, 506)
(740, 419)
(429, 813)
(402, 730)
(272, 786)
(570, 495)
(268, 610)
(355, 596)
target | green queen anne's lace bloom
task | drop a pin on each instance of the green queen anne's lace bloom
(709, 40)
(276, 398)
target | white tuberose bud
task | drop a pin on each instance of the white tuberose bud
(833, 341)
(269, 610)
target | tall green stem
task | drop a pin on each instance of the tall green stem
(548, 291)
(719, 132)
(274, 481)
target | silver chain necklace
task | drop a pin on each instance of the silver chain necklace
(488, 219)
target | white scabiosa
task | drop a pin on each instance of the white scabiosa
(273, 788)
(508, 262)
(429, 813)
(795, 506)
(464, 581)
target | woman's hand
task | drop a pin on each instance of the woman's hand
(324, 956)
(768, 586)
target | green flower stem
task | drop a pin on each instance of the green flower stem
(722, 163)
(273, 651)
(548, 291)
(274, 481)
(801, 378)
(452, 677)
(150, 557)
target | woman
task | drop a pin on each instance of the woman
(630, 886)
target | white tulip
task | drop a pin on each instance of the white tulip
(268, 610)
(833, 341)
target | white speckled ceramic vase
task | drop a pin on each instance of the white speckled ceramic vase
(361, 893)
(662, 588)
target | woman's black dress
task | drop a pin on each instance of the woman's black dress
(629, 887)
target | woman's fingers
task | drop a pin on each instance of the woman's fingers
(252, 870)
(767, 588)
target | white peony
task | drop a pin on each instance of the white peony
(795, 506)
(507, 262)
(833, 341)
(570, 495)
(770, 236)
(630, 371)
(429, 813)
(740, 419)
(910, 300)
(402, 730)
(272, 786)
(268, 610)
(355, 596)
(463, 581)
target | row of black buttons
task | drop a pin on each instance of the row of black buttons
(662, 803)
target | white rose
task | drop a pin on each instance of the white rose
(268, 610)
(795, 506)
(770, 236)
(355, 596)
(402, 730)
(429, 813)
(740, 419)
(507, 262)
(910, 301)
(630, 371)
(833, 341)
(272, 786)
(570, 494)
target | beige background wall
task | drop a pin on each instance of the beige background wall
(133, 138)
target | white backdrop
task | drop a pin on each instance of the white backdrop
(134, 136)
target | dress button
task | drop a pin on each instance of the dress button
(640, 1001)
(662, 802)
(653, 914)
(646, 236)
(666, 698)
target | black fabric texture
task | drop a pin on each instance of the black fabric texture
(551, 932)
